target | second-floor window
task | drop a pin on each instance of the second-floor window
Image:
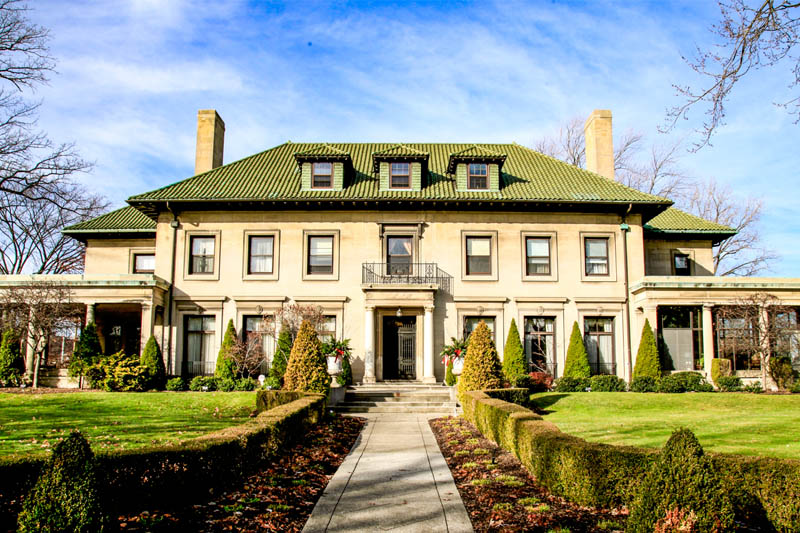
(320, 254)
(478, 177)
(537, 256)
(262, 254)
(400, 176)
(398, 255)
(144, 263)
(681, 264)
(596, 252)
(321, 175)
(202, 258)
(479, 256)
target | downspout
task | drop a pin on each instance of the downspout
(625, 228)
(174, 224)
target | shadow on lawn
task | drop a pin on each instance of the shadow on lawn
(541, 403)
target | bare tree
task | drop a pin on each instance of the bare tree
(291, 317)
(248, 354)
(36, 310)
(30, 232)
(743, 254)
(751, 38)
(657, 172)
(752, 329)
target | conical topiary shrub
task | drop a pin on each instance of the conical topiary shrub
(577, 364)
(682, 478)
(481, 365)
(86, 351)
(449, 377)
(307, 369)
(153, 363)
(282, 353)
(513, 356)
(11, 364)
(66, 496)
(647, 364)
(226, 368)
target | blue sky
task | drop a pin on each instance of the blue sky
(133, 73)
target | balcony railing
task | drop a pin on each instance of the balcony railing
(405, 274)
(198, 368)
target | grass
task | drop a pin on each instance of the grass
(739, 423)
(33, 423)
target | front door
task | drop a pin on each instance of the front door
(399, 347)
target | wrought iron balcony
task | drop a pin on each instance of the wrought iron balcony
(405, 274)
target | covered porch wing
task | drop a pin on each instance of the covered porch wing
(695, 320)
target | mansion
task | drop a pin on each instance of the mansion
(405, 246)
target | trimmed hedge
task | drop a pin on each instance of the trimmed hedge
(684, 382)
(180, 473)
(765, 492)
(605, 383)
(568, 384)
(644, 384)
(729, 383)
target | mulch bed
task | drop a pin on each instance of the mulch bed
(500, 495)
(280, 497)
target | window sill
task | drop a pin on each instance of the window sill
(260, 277)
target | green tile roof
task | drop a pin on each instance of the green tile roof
(475, 153)
(680, 222)
(273, 175)
(320, 152)
(125, 220)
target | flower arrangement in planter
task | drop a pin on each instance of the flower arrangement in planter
(453, 354)
(336, 352)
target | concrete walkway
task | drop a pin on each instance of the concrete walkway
(394, 479)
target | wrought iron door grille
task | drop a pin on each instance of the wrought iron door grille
(406, 348)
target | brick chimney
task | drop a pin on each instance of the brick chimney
(599, 144)
(210, 138)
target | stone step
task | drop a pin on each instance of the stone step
(345, 408)
(400, 404)
(396, 397)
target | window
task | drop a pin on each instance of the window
(596, 256)
(144, 263)
(737, 340)
(537, 256)
(320, 254)
(327, 330)
(398, 255)
(681, 337)
(471, 322)
(598, 335)
(399, 177)
(202, 255)
(321, 175)
(262, 249)
(478, 176)
(258, 343)
(200, 358)
(540, 349)
(787, 337)
(479, 256)
(681, 264)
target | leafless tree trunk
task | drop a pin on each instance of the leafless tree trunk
(248, 354)
(750, 38)
(292, 316)
(36, 310)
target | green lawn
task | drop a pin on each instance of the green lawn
(32, 423)
(749, 424)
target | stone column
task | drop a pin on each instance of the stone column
(369, 344)
(90, 310)
(30, 348)
(708, 340)
(427, 345)
(147, 322)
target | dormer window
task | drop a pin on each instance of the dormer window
(400, 177)
(478, 176)
(321, 175)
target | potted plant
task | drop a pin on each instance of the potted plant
(453, 353)
(335, 352)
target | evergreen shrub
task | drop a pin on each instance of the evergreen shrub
(345, 378)
(729, 383)
(118, 373)
(226, 367)
(226, 384)
(449, 377)
(684, 382)
(781, 370)
(482, 368)
(684, 478)
(644, 384)
(647, 362)
(153, 364)
(203, 384)
(307, 369)
(246, 384)
(66, 496)
(577, 364)
(568, 384)
(86, 352)
(796, 387)
(11, 363)
(514, 364)
(176, 384)
(607, 384)
(754, 387)
(281, 357)
(720, 368)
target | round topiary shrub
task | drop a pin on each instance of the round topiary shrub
(644, 384)
(307, 369)
(567, 384)
(607, 384)
(682, 478)
(577, 364)
(176, 384)
(153, 364)
(647, 363)
(514, 356)
(684, 382)
(66, 496)
(226, 385)
(481, 364)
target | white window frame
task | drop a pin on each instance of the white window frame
(276, 236)
(612, 254)
(334, 276)
(187, 256)
(553, 275)
(493, 264)
(133, 252)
